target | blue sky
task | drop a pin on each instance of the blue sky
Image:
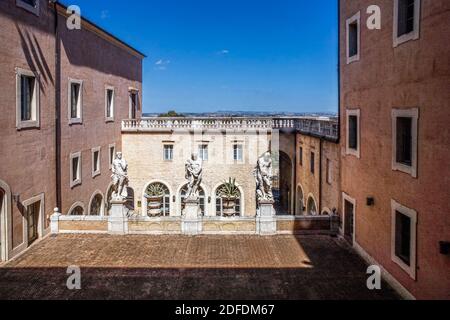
(247, 55)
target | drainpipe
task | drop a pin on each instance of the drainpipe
(339, 71)
(57, 109)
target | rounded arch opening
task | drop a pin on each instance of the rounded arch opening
(77, 209)
(311, 207)
(228, 207)
(300, 207)
(96, 204)
(156, 199)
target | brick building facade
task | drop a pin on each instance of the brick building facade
(395, 162)
(44, 123)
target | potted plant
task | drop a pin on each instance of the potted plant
(154, 195)
(229, 192)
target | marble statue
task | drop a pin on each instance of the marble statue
(194, 174)
(119, 177)
(263, 176)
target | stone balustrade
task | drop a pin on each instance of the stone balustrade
(326, 127)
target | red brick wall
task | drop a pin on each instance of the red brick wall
(415, 74)
(27, 157)
(88, 57)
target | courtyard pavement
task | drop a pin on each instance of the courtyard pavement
(180, 267)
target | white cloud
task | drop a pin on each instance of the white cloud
(223, 52)
(104, 14)
(161, 64)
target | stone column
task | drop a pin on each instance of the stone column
(118, 219)
(267, 224)
(191, 222)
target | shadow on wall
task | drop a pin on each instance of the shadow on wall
(35, 57)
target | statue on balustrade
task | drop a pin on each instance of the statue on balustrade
(119, 177)
(194, 175)
(264, 177)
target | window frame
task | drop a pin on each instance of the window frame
(411, 270)
(348, 150)
(111, 157)
(169, 146)
(98, 171)
(35, 122)
(412, 113)
(413, 35)
(110, 118)
(78, 120)
(201, 148)
(312, 162)
(75, 182)
(26, 6)
(355, 18)
(238, 146)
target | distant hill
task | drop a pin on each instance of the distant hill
(248, 114)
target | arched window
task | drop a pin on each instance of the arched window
(158, 200)
(96, 205)
(77, 211)
(201, 198)
(227, 207)
(311, 208)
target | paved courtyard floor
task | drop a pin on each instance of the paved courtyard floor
(179, 267)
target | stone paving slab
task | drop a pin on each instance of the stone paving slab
(180, 267)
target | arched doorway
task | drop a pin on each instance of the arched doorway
(284, 201)
(300, 208)
(202, 198)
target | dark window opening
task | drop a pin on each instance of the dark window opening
(312, 162)
(27, 94)
(403, 237)
(353, 39)
(353, 132)
(404, 141)
(301, 156)
(405, 17)
(74, 98)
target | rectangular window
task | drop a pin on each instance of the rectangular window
(403, 238)
(96, 161)
(75, 101)
(27, 102)
(328, 168)
(75, 169)
(238, 152)
(353, 133)
(133, 104)
(406, 20)
(313, 162)
(112, 153)
(300, 156)
(404, 140)
(353, 38)
(168, 152)
(203, 152)
(29, 5)
(109, 97)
